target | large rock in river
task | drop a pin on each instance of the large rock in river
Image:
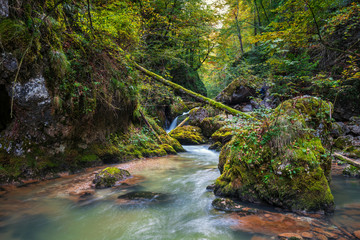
(109, 176)
(281, 162)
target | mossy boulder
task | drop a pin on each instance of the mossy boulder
(210, 125)
(282, 161)
(343, 142)
(236, 93)
(223, 135)
(351, 171)
(109, 176)
(188, 135)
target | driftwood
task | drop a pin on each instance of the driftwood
(346, 159)
(190, 93)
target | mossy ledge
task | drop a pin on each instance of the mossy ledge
(281, 162)
(188, 135)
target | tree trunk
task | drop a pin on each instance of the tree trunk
(190, 93)
(238, 27)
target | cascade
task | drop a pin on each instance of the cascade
(174, 122)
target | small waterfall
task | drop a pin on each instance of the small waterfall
(174, 122)
(172, 125)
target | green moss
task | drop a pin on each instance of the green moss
(169, 149)
(342, 142)
(223, 133)
(109, 176)
(280, 162)
(188, 135)
(192, 94)
(89, 158)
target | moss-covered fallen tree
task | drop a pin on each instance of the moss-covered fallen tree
(197, 96)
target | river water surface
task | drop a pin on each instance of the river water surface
(45, 211)
(42, 212)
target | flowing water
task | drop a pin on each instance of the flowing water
(40, 214)
(45, 210)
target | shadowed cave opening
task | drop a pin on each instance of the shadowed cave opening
(5, 108)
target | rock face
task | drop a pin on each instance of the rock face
(188, 135)
(109, 176)
(235, 93)
(283, 164)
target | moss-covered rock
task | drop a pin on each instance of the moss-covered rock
(343, 142)
(236, 93)
(109, 176)
(216, 146)
(351, 171)
(188, 135)
(281, 161)
(223, 134)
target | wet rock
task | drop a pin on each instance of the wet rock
(307, 235)
(83, 195)
(109, 176)
(210, 187)
(228, 205)
(270, 223)
(292, 236)
(320, 236)
(4, 8)
(216, 146)
(188, 135)
(144, 196)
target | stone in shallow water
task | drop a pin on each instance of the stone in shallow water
(144, 196)
(226, 204)
(109, 176)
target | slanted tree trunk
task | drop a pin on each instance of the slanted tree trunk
(190, 93)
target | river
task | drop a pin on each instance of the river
(45, 210)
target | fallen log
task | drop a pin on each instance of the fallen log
(346, 159)
(190, 93)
